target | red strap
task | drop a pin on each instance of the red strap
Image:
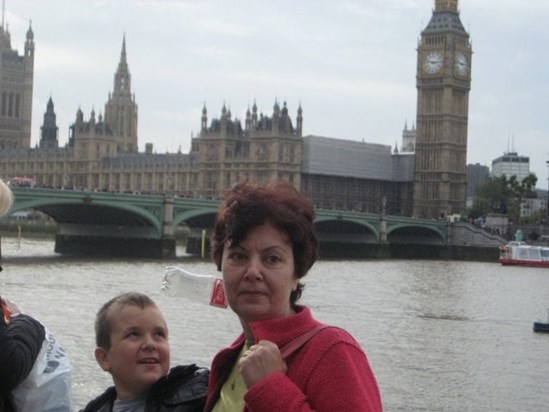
(298, 342)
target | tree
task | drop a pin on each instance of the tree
(518, 191)
(503, 196)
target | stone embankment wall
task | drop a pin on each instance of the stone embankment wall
(468, 242)
(465, 234)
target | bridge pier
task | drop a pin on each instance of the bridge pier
(167, 242)
(124, 241)
(383, 229)
(167, 217)
(198, 243)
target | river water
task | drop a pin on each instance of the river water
(440, 336)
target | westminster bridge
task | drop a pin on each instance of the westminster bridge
(142, 225)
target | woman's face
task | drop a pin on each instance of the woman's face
(259, 274)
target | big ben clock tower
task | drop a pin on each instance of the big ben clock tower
(443, 84)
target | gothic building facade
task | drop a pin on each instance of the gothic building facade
(102, 151)
(426, 178)
(16, 82)
(408, 139)
(264, 149)
(443, 84)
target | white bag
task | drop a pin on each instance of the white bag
(47, 388)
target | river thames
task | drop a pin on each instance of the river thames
(440, 336)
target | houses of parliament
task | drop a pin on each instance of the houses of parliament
(426, 178)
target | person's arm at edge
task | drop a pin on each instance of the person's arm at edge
(20, 344)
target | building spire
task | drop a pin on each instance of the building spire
(123, 53)
(122, 78)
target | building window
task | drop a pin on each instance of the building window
(10, 105)
(17, 104)
(4, 103)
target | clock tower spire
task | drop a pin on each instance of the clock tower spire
(443, 82)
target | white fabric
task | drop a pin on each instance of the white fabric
(47, 388)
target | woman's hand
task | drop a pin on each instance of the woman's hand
(262, 359)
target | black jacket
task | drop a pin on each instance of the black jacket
(182, 390)
(20, 344)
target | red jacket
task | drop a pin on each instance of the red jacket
(329, 373)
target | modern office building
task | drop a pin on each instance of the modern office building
(477, 174)
(511, 164)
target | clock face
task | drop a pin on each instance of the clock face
(461, 64)
(433, 62)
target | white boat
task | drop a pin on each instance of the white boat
(519, 253)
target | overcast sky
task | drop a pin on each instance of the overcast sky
(350, 63)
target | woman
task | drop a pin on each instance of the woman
(264, 242)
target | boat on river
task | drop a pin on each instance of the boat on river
(542, 327)
(520, 253)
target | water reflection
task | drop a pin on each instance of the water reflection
(441, 336)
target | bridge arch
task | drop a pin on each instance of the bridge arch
(415, 233)
(145, 220)
(74, 210)
(346, 229)
(203, 218)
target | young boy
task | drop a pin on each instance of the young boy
(132, 345)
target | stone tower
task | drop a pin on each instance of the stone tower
(408, 139)
(121, 108)
(49, 128)
(16, 82)
(443, 84)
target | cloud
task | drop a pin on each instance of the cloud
(351, 64)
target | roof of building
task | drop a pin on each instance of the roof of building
(443, 22)
(511, 157)
(349, 158)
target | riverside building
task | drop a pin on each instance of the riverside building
(102, 149)
(16, 81)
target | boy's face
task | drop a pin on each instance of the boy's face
(139, 354)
